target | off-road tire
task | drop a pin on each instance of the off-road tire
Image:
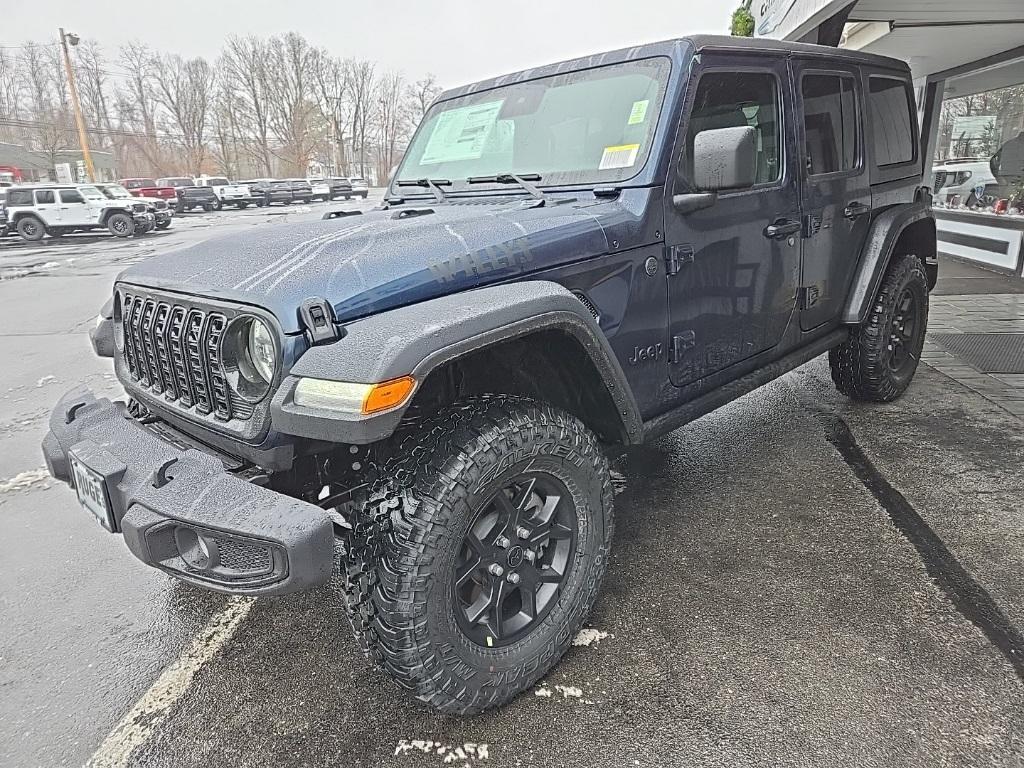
(218, 206)
(120, 225)
(399, 558)
(861, 365)
(163, 224)
(31, 229)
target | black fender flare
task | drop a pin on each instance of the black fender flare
(416, 339)
(885, 231)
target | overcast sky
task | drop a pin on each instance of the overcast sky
(460, 41)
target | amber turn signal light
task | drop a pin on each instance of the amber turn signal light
(388, 394)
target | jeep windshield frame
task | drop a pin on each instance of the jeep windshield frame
(583, 127)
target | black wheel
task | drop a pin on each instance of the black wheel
(878, 361)
(364, 194)
(179, 208)
(480, 551)
(216, 206)
(120, 225)
(30, 228)
(242, 206)
(163, 224)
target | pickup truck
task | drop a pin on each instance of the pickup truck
(148, 188)
(227, 193)
(190, 195)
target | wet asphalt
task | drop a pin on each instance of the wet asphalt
(796, 580)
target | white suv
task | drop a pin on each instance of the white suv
(56, 210)
(963, 176)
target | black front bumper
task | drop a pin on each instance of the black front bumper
(181, 511)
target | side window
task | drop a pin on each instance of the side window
(70, 196)
(44, 196)
(830, 123)
(19, 197)
(736, 99)
(889, 110)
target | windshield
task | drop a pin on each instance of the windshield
(139, 183)
(178, 181)
(584, 127)
(217, 182)
(115, 192)
(90, 193)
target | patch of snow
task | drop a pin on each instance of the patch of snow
(468, 753)
(569, 691)
(23, 481)
(589, 636)
(618, 481)
(46, 380)
(543, 692)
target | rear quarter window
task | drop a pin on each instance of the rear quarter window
(19, 197)
(890, 115)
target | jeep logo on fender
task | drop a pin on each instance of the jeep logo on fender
(643, 354)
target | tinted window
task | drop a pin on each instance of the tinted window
(19, 197)
(892, 132)
(70, 196)
(830, 123)
(44, 196)
(736, 99)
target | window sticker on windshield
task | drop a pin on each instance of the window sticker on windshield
(639, 112)
(622, 156)
(460, 134)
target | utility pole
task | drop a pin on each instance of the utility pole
(79, 121)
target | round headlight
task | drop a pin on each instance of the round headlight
(261, 350)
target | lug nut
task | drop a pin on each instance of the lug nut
(513, 578)
(496, 569)
(530, 555)
(502, 541)
(522, 532)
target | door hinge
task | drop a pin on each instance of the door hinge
(809, 295)
(677, 256)
(680, 343)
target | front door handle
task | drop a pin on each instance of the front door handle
(781, 228)
(855, 210)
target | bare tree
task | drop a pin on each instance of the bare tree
(422, 94)
(92, 82)
(360, 91)
(293, 113)
(244, 63)
(184, 88)
(330, 76)
(391, 121)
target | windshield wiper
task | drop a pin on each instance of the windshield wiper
(522, 179)
(434, 185)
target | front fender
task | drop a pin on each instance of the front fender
(878, 248)
(416, 339)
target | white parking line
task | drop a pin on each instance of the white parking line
(152, 709)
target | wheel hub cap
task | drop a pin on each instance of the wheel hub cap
(503, 590)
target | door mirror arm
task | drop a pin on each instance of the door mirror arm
(694, 201)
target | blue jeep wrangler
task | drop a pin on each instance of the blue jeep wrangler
(569, 260)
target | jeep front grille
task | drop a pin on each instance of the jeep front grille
(139, 207)
(173, 350)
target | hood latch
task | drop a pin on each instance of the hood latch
(317, 318)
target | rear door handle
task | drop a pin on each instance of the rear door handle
(855, 210)
(781, 228)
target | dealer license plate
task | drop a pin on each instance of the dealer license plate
(92, 493)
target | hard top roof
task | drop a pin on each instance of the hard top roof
(675, 49)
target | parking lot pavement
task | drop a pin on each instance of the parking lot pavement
(796, 580)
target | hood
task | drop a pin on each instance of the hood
(368, 263)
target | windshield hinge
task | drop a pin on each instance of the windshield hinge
(317, 318)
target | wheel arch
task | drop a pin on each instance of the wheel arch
(898, 230)
(533, 338)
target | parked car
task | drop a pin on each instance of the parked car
(59, 209)
(963, 176)
(189, 194)
(302, 191)
(238, 195)
(436, 386)
(359, 187)
(321, 189)
(142, 187)
(162, 212)
(3, 219)
(269, 191)
(339, 187)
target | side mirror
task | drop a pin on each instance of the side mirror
(725, 158)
